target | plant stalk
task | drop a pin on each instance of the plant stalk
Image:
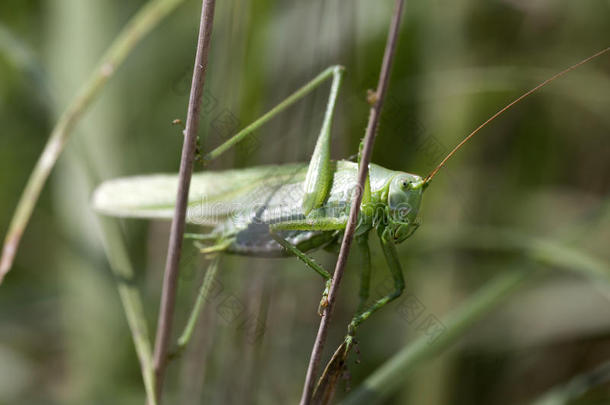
(369, 140)
(170, 277)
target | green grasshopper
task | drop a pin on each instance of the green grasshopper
(277, 211)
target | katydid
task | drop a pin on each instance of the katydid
(293, 209)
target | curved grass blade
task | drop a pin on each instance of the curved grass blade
(576, 387)
(135, 30)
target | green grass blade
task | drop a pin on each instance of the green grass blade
(131, 300)
(133, 32)
(545, 251)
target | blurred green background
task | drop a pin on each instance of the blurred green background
(542, 170)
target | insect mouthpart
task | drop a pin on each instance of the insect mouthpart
(402, 232)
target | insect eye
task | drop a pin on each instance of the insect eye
(406, 184)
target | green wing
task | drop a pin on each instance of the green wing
(272, 193)
(212, 196)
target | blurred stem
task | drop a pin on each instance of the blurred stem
(131, 300)
(576, 387)
(24, 59)
(391, 375)
(542, 250)
(202, 297)
(133, 32)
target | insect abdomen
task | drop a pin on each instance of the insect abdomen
(263, 245)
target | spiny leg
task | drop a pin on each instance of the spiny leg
(294, 97)
(389, 251)
(301, 255)
(311, 264)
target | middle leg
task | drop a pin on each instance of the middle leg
(309, 262)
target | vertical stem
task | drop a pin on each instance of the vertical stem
(170, 278)
(369, 140)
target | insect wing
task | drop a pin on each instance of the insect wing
(213, 196)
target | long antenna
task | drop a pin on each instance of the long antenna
(493, 117)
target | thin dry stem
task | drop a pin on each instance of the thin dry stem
(369, 140)
(170, 278)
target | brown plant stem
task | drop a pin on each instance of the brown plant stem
(369, 140)
(170, 278)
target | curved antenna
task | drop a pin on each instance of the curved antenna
(517, 100)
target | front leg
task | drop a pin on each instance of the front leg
(389, 251)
